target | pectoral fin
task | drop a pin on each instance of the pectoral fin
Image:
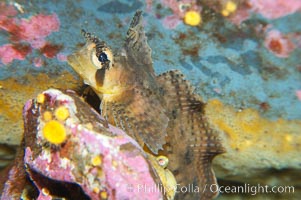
(191, 142)
(142, 118)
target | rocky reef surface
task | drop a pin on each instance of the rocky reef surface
(70, 151)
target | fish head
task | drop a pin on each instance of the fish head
(126, 83)
(98, 67)
(115, 73)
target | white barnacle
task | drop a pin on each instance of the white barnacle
(162, 161)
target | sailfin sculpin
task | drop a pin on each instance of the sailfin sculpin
(126, 84)
(160, 112)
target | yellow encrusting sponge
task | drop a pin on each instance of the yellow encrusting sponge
(47, 116)
(192, 18)
(229, 8)
(61, 113)
(54, 132)
(97, 160)
(41, 98)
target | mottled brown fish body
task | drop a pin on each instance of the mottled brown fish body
(161, 112)
(126, 85)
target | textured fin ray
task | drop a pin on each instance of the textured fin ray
(136, 43)
(192, 144)
(143, 118)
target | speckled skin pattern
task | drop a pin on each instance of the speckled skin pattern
(160, 112)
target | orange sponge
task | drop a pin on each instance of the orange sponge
(54, 132)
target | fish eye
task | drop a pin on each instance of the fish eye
(103, 57)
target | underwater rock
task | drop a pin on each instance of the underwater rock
(69, 149)
(13, 178)
(117, 6)
(16, 91)
(257, 147)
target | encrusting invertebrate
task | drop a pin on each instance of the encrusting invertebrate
(61, 113)
(54, 132)
(160, 112)
(53, 129)
(229, 8)
(192, 18)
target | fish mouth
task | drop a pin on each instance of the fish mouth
(109, 91)
(79, 61)
(87, 71)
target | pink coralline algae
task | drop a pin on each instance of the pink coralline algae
(61, 57)
(38, 62)
(7, 10)
(9, 52)
(171, 21)
(22, 31)
(273, 9)
(279, 44)
(37, 28)
(242, 13)
(94, 161)
(298, 94)
(179, 9)
(270, 9)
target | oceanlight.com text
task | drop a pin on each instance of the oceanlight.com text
(251, 189)
(214, 188)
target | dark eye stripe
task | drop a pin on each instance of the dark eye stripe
(99, 76)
